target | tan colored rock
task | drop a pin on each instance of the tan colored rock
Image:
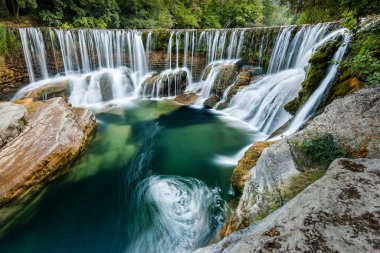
(240, 174)
(53, 138)
(47, 91)
(187, 98)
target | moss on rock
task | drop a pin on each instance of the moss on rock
(319, 64)
(246, 163)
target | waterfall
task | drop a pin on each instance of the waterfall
(262, 102)
(102, 65)
(170, 48)
(312, 103)
(34, 51)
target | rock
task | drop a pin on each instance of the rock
(106, 87)
(354, 121)
(167, 83)
(246, 163)
(53, 138)
(12, 121)
(186, 98)
(227, 73)
(247, 75)
(338, 213)
(265, 182)
(211, 101)
(47, 91)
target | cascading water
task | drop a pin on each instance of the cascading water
(112, 64)
(262, 102)
(312, 103)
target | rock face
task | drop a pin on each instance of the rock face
(12, 121)
(338, 213)
(246, 163)
(245, 77)
(354, 121)
(54, 136)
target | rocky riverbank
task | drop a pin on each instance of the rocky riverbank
(40, 140)
(279, 215)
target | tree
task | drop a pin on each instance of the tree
(15, 5)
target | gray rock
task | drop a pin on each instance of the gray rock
(272, 171)
(354, 121)
(338, 213)
(12, 121)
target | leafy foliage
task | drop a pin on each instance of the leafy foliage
(321, 150)
(155, 13)
(314, 11)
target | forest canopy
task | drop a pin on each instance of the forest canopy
(183, 13)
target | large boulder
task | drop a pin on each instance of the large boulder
(12, 121)
(338, 213)
(241, 173)
(54, 136)
(354, 121)
(47, 91)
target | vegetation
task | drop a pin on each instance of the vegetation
(315, 11)
(317, 151)
(361, 66)
(9, 42)
(150, 14)
(319, 64)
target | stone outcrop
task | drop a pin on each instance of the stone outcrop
(354, 121)
(353, 125)
(53, 137)
(246, 75)
(12, 121)
(338, 213)
(246, 163)
(47, 91)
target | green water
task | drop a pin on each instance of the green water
(147, 182)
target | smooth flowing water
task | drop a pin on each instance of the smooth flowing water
(146, 183)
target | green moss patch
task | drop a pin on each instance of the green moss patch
(319, 64)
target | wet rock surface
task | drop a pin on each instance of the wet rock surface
(47, 91)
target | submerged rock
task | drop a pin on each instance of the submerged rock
(12, 121)
(54, 136)
(338, 213)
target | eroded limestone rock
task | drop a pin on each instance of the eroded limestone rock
(338, 213)
(53, 138)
